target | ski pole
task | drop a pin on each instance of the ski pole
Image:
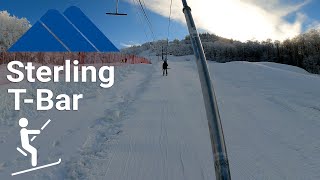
(42, 128)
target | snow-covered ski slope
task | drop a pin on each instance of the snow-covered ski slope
(153, 127)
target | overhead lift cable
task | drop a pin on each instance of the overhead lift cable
(142, 8)
(147, 18)
(169, 24)
(140, 17)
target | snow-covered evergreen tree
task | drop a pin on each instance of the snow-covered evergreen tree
(11, 29)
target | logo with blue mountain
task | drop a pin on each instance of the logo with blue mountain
(70, 31)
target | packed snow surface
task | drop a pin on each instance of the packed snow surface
(150, 126)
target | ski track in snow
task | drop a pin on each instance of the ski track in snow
(153, 127)
(160, 140)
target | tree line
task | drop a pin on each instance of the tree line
(302, 51)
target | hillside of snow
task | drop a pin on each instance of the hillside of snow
(153, 127)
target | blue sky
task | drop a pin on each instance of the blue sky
(128, 30)
(120, 30)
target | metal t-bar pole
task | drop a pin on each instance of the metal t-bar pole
(117, 6)
(215, 128)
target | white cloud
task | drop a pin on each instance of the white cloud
(238, 19)
(129, 44)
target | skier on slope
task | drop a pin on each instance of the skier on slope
(25, 142)
(165, 68)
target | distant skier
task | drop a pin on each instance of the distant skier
(25, 141)
(165, 68)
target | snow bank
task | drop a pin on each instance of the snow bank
(284, 67)
(271, 118)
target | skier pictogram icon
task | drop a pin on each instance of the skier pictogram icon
(26, 146)
(25, 141)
